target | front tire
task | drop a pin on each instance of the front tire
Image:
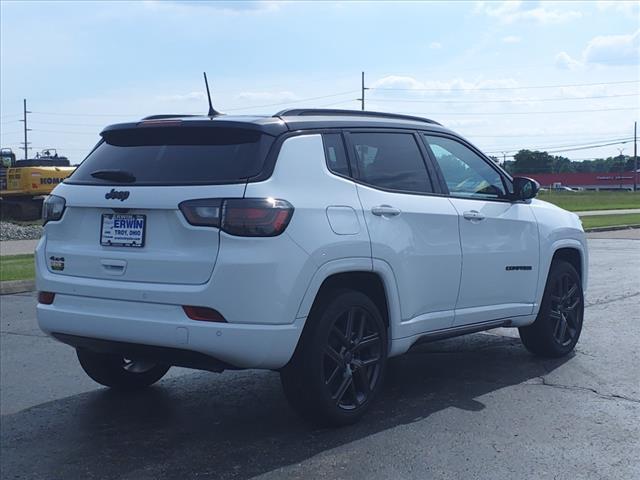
(338, 367)
(559, 322)
(118, 372)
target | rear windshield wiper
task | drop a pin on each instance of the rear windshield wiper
(120, 176)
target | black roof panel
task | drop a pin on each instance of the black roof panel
(289, 120)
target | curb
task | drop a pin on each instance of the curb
(611, 229)
(16, 286)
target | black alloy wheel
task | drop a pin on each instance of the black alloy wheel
(338, 366)
(565, 309)
(352, 357)
(558, 325)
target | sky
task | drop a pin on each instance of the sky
(506, 75)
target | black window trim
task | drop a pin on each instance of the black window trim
(339, 132)
(351, 155)
(507, 180)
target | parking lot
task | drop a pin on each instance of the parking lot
(474, 407)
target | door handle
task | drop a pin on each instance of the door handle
(385, 211)
(473, 215)
(114, 267)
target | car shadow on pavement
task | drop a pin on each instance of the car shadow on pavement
(238, 424)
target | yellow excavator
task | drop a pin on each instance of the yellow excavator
(25, 183)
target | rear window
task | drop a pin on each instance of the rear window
(175, 156)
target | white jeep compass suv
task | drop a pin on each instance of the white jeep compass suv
(318, 243)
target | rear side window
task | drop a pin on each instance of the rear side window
(175, 156)
(335, 154)
(391, 161)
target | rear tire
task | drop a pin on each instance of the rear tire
(559, 322)
(338, 367)
(120, 373)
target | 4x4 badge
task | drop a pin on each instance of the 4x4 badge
(115, 194)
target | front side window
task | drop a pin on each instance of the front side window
(466, 173)
(391, 161)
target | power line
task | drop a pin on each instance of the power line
(616, 140)
(519, 135)
(526, 113)
(291, 101)
(65, 132)
(590, 147)
(505, 101)
(573, 149)
(130, 114)
(504, 88)
(40, 122)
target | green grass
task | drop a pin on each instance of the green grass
(582, 201)
(17, 267)
(610, 220)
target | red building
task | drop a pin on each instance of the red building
(587, 181)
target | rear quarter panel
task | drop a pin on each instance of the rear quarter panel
(327, 223)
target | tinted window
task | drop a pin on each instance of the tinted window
(177, 155)
(465, 172)
(391, 160)
(335, 153)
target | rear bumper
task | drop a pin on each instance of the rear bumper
(178, 339)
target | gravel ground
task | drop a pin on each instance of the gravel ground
(12, 231)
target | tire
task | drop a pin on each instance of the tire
(120, 373)
(338, 367)
(557, 327)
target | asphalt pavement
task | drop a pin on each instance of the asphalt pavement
(474, 407)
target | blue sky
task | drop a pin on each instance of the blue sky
(469, 65)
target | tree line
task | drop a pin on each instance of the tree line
(528, 161)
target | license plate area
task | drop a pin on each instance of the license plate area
(123, 230)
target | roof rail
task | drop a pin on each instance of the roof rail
(297, 112)
(167, 115)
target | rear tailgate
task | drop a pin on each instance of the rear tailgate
(173, 251)
(122, 220)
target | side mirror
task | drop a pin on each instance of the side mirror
(524, 188)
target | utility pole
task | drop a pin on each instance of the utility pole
(24, 120)
(362, 93)
(635, 156)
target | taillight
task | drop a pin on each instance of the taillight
(52, 208)
(46, 298)
(204, 314)
(244, 217)
(202, 213)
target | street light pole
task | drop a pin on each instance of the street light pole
(635, 156)
(24, 120)
(362, 89)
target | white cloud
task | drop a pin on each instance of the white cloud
(511, 39)
(435, 45)
(511, 11)
(566, 62)
(604, 50)
(613, 49)
(224, 6)
(268, 97)
(628, 7)
(181, 97)
(410, 85)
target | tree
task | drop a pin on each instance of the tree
(562, 165)
(527, 161)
